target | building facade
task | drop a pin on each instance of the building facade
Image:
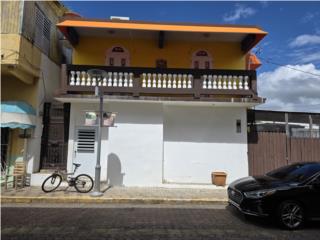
(30, 67)
(180, 91)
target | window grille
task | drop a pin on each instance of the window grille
(42, 31)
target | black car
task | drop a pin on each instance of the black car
(290, 193)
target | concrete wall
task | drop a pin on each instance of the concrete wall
(199, 140)
(153, 141)
(47, 84)
(132, 151)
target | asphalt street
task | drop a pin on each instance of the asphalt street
(140, 222)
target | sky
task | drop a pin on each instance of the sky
(293, 41)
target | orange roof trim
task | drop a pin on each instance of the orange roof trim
(161, 27)
(152, 26)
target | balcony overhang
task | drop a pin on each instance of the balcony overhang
(247, 36)
(166, 101)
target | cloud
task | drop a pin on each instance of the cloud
(290, 90)
(305, 55)
(309, 16)
(241, 11)
(304, 40)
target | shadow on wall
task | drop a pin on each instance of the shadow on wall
(114, 174)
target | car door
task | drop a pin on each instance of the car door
(314, 198)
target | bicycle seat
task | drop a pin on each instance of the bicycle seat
(77, 164)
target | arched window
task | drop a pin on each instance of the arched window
(117, 56)
(201, 59)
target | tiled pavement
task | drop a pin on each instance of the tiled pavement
(133, 222)
(117, 195)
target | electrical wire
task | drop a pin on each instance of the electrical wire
(286, 66)
(259, 51)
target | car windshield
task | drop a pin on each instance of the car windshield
(295, 172)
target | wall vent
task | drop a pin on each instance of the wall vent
(86, 140)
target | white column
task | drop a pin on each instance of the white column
(83, 78)
(189, 81)
(115, 79)
(164, 81)
(240, 82)
(214, 82)
(109, 79)
(154, 81)
(72, 78)
(159, 80)
(174, 85)
(234, 82)
(184, 81)
(125, 82)
(169, 81)
(120, 79)
(130, 79)
(78, 78)
(149, 80)
(224, 82)
(210, 82)
(219, 82)
(229, 82)
(144, 83)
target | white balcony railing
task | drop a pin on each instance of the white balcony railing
(225, 82)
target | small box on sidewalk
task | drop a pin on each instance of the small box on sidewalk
(219, 178)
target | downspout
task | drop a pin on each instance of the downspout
(21, 12)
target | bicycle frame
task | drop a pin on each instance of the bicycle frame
(67, 176)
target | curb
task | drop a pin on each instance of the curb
(91, 200)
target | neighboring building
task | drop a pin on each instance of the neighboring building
(294, 124)
(30, 68)
(278, 138)
(181, 93)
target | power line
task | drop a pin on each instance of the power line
(259, 51)
(286, 66)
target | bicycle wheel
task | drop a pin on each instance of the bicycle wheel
(83, 183)
(51, 183)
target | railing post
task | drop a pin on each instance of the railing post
(136, 85)
(63, 79)
(197, 85)
(254, 86)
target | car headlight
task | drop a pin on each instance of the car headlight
(259, 194)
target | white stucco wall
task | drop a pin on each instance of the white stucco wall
(199, 140)
(131, 152)
(153, 142)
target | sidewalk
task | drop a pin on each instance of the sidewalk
(148, 195)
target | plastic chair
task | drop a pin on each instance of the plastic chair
(19, 175)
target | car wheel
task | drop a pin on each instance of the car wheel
(291, 215)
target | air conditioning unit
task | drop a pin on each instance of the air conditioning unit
(119, 18)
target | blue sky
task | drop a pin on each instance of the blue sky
(293, 40)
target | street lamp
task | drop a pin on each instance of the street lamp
(99, 75)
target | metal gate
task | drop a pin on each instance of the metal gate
(270, 150)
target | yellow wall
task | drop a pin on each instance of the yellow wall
(14, 90)
(18, 50)
(144, 52)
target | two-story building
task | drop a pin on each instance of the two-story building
(180, 91)
(30, 68)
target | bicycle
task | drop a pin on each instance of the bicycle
(83, 183)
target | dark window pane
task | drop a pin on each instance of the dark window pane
(123, 62)
(196, 65)
(296, 172)
(111, 61)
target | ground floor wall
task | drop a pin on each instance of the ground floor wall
(157, 143)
